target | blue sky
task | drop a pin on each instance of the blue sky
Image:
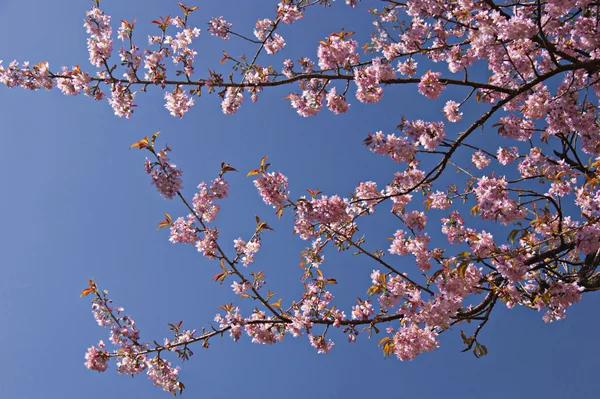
(76, 204)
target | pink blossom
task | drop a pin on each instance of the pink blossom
(482, 244)
(233, 319)
(262, 27)
(184, 231)
(562, 296)
(451, 111)
(329, 209)
(415, 220)
(208, 244)
(154, 64)
(480, 160)
(411, 341)
(246, 249)
(510, 264)
(417, 245)
(261, 333)
(338, 51)
(366, 192)
(454, 228)
(121, 100)
(274, 44)
(219, 27)
(289, 13)
(163, 375)
(310, 102)
(204, 201)
(326, 210)
(336, 102)
(516, 128)
(363, 310)
(131, 363)
(430, 85)
(74, 82)
(99, 43)
(232, 101)
(507, 155)
(272, 187)
(240, 289)
(398, 148)
(299, 324)
(180, 46)
(428, 134)
(178, 102)
(97, 358)
(588, 239)
(494, 202)
(368, 81)
(440, 200)
(165, 176)
(320, 343)
(408, 67)
(288, 67)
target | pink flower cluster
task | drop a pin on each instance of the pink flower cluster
(407, 68)
(247, 250)
(272, 187)
(430, 85)
(73, 83)
(561, 296)
(178, 103)
(366, 193)
(121, 100)
(163, 375)
(204, 201)
(288, 12)
(417, 245)
(28, 77)
(325, 210)
(258, 76)
(180, 48)
(274, 44)
(411, 341)
(97, 358)
(232, 101)
(428, 134)
(320, 343)
(207, 245)
(262, 28)
(234, 320)
(507, 155)
(368, 81)
(165, 176)
(451, 110)
(97, 25)
(337, 52)
(310, 102)
(123, 333)
(262, 333)
(336, 102)
(362, 310)
(494, 202)
(184, 231)
(480, 160)
(219, 27)
(510, 264)
(588, 239)
(399, 149)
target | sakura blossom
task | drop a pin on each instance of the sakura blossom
(497, 202)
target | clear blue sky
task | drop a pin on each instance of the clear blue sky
(76, 204)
